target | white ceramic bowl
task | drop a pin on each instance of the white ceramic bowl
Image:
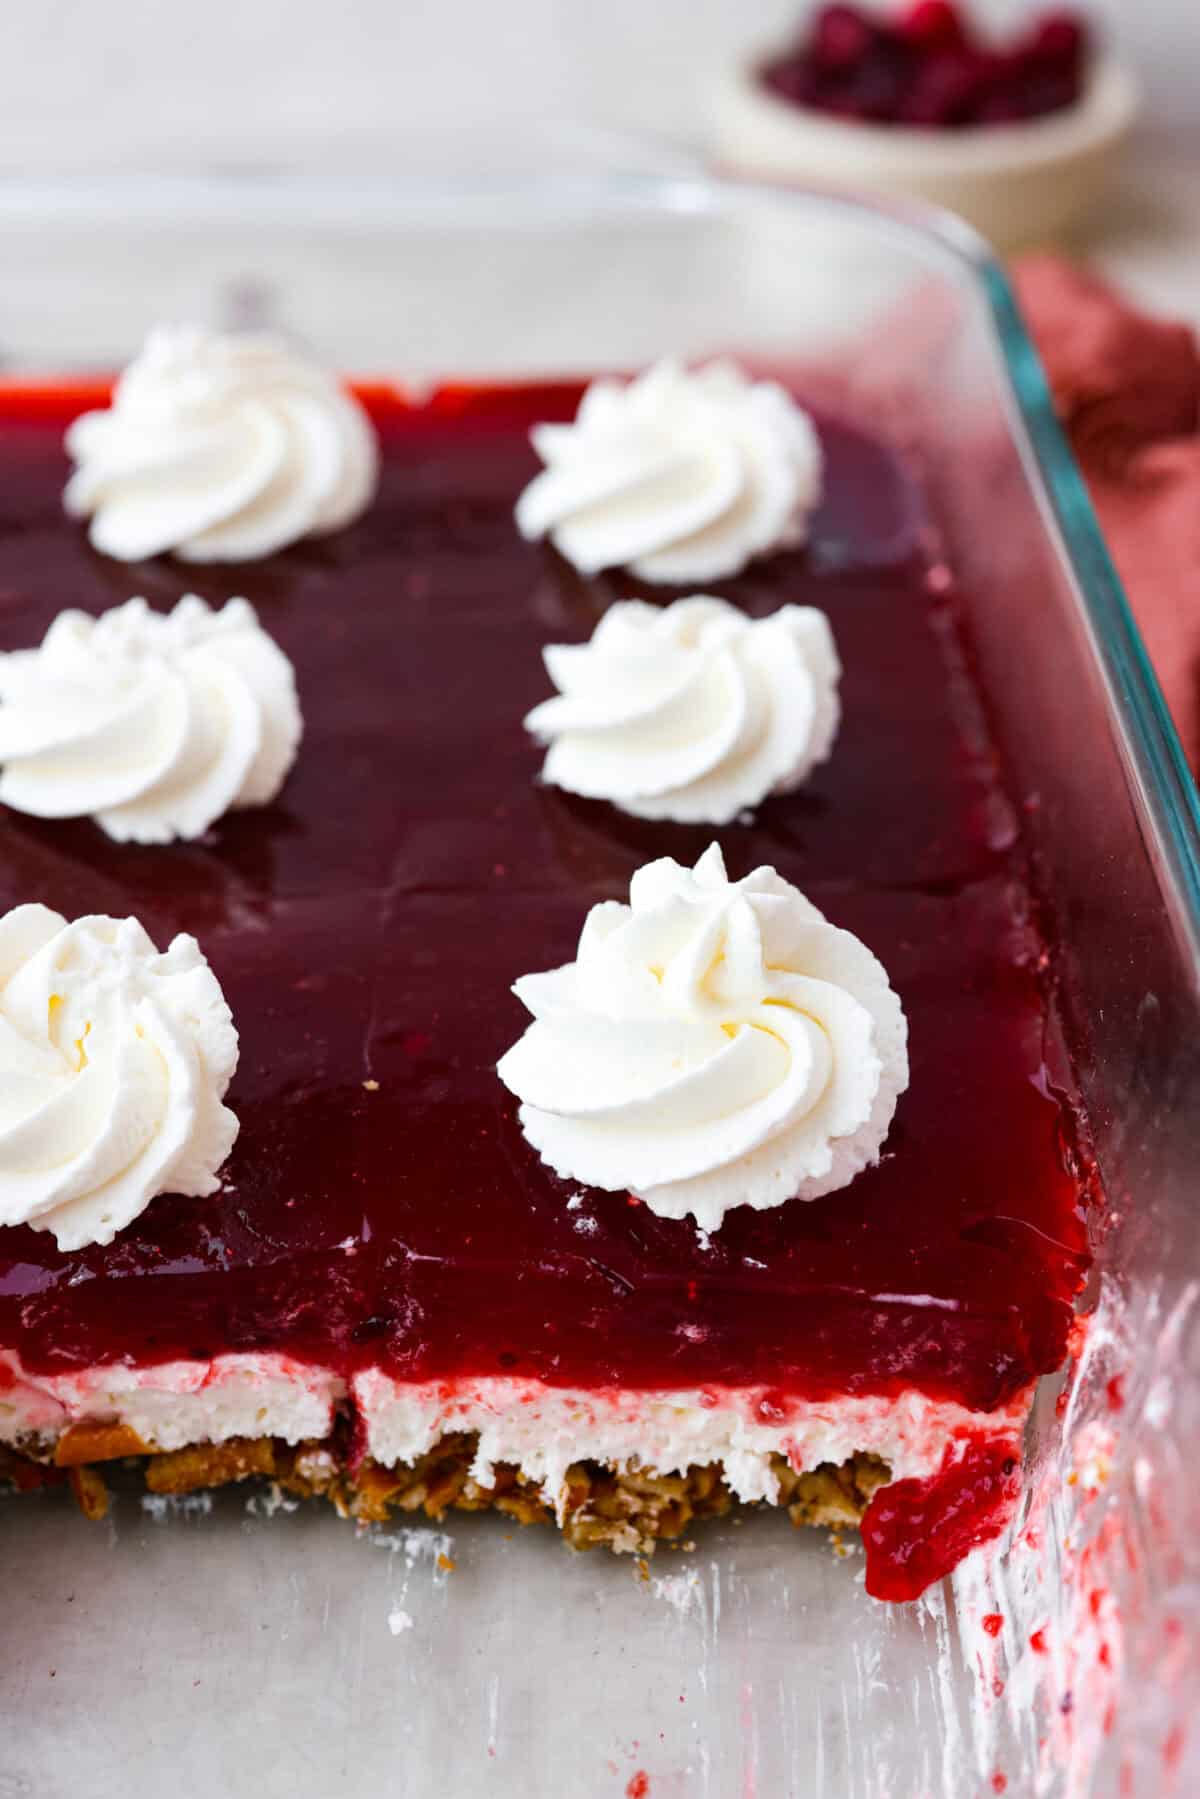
(1018, 184)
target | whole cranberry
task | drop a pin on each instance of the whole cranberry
(874, 93)
(1001, 108)
(793, 78)
(935, 23)
(947, 89)
(1054, 90)
(1059, 38)
(842, 37)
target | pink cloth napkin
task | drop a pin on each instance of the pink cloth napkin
(1127, 388)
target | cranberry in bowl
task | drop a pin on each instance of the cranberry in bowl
(1016, 133)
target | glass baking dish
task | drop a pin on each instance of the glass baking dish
(242, 1646)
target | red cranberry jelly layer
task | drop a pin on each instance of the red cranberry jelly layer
(381, 1205)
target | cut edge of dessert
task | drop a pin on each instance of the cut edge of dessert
(624, 1468)
(625, 1508)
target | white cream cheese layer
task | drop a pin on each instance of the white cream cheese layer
(114, 1060)
(540, 1430)
(220, 449)
(691, 711)
(677, 475)
(170, 1405)
(152, 723)
(715, 1043)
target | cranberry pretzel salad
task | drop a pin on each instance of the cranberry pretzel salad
(519, 987)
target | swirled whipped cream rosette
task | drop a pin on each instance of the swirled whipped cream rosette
(220, 449)
(114, 1060)
(152, 723)
(714, 1044)
(691, 711)
(679, 475)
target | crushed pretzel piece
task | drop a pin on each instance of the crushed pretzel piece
(627, 1509)
(97, 1442)
(91, 1493)
(210, 1464)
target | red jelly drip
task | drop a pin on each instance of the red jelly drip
(915, 1531)
(381, 1206)
(933, 22)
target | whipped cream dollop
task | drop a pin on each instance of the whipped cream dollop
(152, 723)
(690, 711)
(714, 1044)
(220, 449)
(677, 475)
(114, 1060)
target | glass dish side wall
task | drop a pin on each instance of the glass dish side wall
(1110, 824)
(1109, 815)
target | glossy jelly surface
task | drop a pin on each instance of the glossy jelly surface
(381, 1205)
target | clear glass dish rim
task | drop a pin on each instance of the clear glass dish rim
(1150, 744)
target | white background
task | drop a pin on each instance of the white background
(169, 83)
(396, 86)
